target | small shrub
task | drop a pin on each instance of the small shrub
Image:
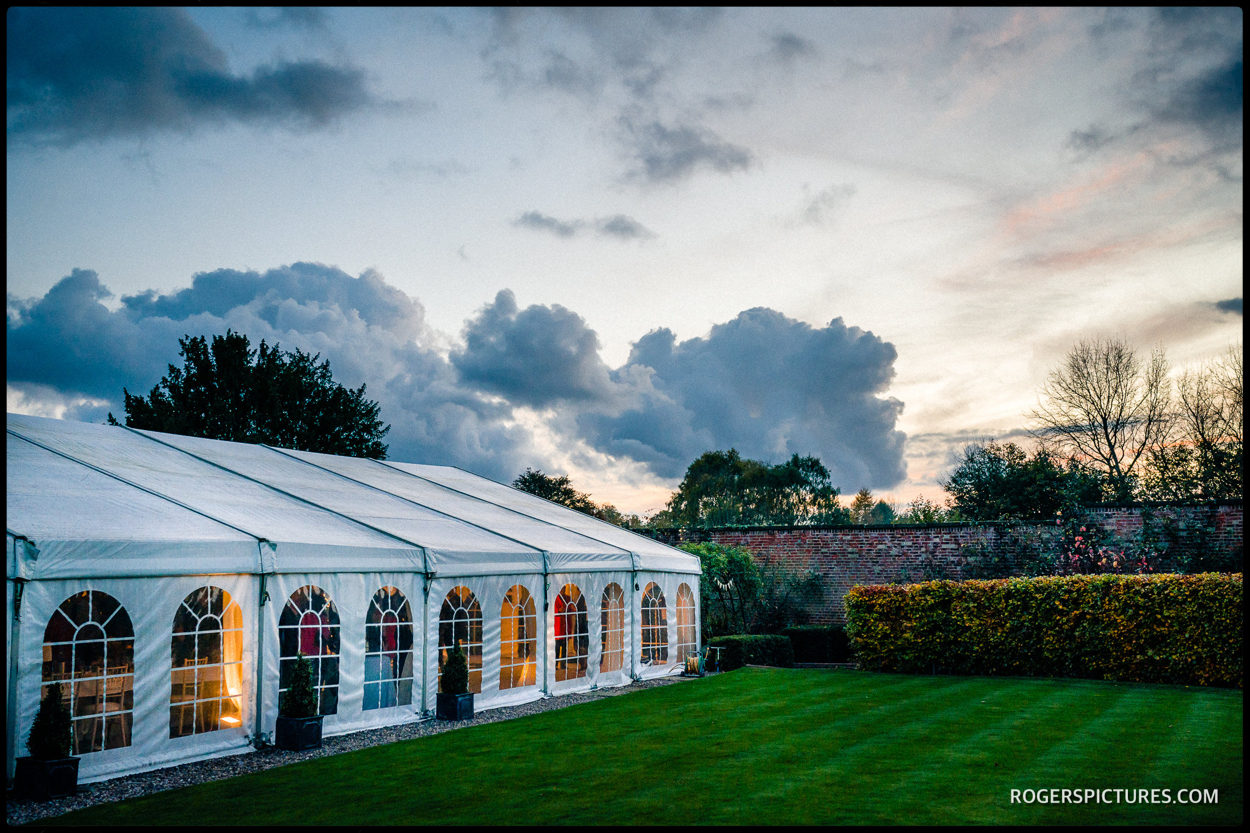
(300, 700)
(51, 736)
(754, 649)
(456, 672)
(819, 643)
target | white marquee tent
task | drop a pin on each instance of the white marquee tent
(167, 583)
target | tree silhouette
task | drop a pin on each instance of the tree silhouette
(227, 391)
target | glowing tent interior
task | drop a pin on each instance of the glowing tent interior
(169, 582)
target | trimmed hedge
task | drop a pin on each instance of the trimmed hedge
(752, 649)
(1184, 629)
(819, 643)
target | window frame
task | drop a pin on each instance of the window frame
(93, 731)
(518, 612)
(227, 707)
(686, 627)
(397, 686)
(654, 626)
(572, 633)
(326, 671)
(467, 602)
(611, 659)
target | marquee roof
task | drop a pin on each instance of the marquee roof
(98, 501)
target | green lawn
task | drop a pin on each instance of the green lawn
(767, 746)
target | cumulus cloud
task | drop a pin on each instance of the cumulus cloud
(763, 383)
(95, 73)
(538, 356)
(668, 154)
(619, 226)
(371, 333)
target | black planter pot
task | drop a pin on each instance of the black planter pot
(455, 706)
(298, 733)
(45, 780)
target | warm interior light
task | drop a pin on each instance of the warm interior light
(231, 721)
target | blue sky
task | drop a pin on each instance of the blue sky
(600, 242)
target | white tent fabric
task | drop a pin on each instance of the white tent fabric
(147, 520)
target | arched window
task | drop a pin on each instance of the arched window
(612, 623)
(654, 626)
(89, 650)
(572, 634)
(309, 625)
(206, 664)
(685, 623)
(518, 639)
(388, 651)
(460, 620)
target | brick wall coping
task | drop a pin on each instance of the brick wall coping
(671, 530)
(1163, 504)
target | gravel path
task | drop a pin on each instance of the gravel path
(184, 775)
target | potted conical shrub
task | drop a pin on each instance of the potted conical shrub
(455, 701)
(49, 771)
(299, 721)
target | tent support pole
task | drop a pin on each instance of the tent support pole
(546, 630)
(258, 737)
(15, 648)
(634, 615)
(425, 642)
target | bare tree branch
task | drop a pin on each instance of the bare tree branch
(1105, 405)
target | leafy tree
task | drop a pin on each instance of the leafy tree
(721, 488)
(555, 489)
(228, 391)
(560, 490)
(1105, 405)
(997, 481)
(738, 594)
(924, 511)
(862, 507)
(729, 590)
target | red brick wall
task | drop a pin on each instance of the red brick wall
(846, 556)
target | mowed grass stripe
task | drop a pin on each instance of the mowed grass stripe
(761, 746)
(912, 762)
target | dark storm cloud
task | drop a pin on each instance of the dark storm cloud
(371, 333)
(1212, 101)
(626, 228)
(787, 47)
(618, 225)
(538, 356)
(668, 154)
(765, 384)
(95, 73)
(277, 17)
(762, 383)
(1088, 141)
(70, 341)
(544, 222)
(1232, 305)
